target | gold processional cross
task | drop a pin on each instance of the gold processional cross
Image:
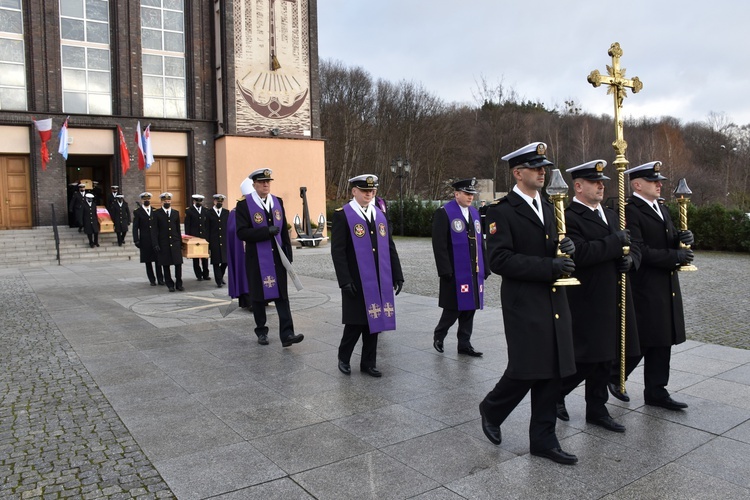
(617, 84)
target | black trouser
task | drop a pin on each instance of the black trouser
(121, 237)
(465, 326)
(656, 361)
(201, 274)
(506, 395)
(219, 270)
(150, 273)
(93, 239)
(177, 276)
(369, 345)
(596, 376)
(286, 325)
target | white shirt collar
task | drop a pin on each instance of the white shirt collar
(268, 204)
(366, 214)
(651, 204)
(529, 200)
(598, 208)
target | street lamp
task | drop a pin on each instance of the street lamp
(726, 180)
(401, 168)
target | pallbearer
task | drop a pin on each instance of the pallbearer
(461, 265)
(368, 271)
(167, 241)
(196, 225)
(143, 223)
(120, 213)
(217, 238)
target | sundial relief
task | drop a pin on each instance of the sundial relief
(272, 60)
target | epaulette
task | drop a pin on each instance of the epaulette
(499, 200)
(339, 209)
(241, 199)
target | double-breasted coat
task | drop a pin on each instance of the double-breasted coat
(120, 216)
(90, 218)
(76, 207)
(252, 235)
(166, 235)
(217, 235)
(594, 304)
(656, 286)
(195, 222)
(353, 310)
(442, 248)
(535, 313)
(143, 224)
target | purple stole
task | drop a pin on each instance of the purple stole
(461, 258)
(377, 290)
(265, 248)
(236, 257)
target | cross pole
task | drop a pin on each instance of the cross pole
(617, 84)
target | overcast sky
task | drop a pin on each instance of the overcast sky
(693, 57)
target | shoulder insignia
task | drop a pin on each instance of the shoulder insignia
(242, 198)
(339, 209)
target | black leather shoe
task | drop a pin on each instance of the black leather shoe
(614, 389)
(294, 339)
(469, 351)
(557, 455)
(562, 412)
(180, 288)
(345, 368)
(492, 432)
(223, 282)
(371, 371)
(263, 339)
(160, 283)
(206, 278)
(171, 288)
(607, 422)
(668, 403)
(438, 345)
(199, 278)
(153, 283)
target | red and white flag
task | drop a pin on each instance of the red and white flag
(44, 127)
(139, 146)
(149, 152)
(124, 153)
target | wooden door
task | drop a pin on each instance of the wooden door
(167, 175)
(15, 193)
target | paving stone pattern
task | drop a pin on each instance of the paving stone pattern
(59, 436)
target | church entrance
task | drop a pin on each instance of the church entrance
(93, 170)
(15, 192)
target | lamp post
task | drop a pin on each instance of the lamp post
(726, 179)
(401, 167)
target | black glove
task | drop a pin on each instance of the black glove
(685, 255)
(157, 248)
(567, 246)
(398, 286)
(563, 266)
(137, 244)
(625, 264)
(624, 237)
(274, 230)
(686, 237)
(350, 288)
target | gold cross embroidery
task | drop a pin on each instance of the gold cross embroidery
(269, 282)
(374, 310)
(388, 309)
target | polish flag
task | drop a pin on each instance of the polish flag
(44, 127)
(63, 135)
(148, 151)
(139, 145)
(124, 153)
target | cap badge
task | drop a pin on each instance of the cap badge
(657, 166)
(266, 173)
(541, 149)
(599, 167)
(370, 181)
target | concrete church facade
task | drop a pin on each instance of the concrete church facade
(225, 86)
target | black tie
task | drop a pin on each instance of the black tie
(598, 213)
(656, 207)
(536, 207)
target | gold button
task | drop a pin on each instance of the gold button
(546, 236)
(554, 289)
(373, 249)
(557, 316)
(672, 294)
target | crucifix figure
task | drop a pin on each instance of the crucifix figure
(617, 84)
(272, 34)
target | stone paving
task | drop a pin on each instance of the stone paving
(112, 388)
(59, 436)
